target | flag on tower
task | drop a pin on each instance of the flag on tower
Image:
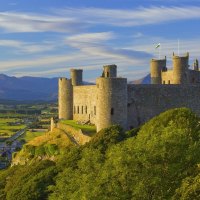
(158, 45)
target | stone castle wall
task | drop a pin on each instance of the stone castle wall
(147, 101)
(194, 76)
(75, 133)
(84, 106)
(167, 77)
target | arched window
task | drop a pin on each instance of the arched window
(94, 110)
(78, 109)
(82, 110)
(74, 109)
(85, 109)
(168, 81)
(112, 111)
(163, 82)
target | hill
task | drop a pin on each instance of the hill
(44, 147)
(159, 160)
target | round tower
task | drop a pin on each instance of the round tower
(76, 76)
(110, 71)
(196, 65)
(180, 69)
(156, 68)
(111, 102)
(65, 99)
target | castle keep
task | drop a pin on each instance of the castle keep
(113, 101)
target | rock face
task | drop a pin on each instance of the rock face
(28, 88)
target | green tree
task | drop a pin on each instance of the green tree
(189, 189)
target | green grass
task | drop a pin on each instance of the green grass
(7, 130)
(29, 135)
(87, 129)
(12, 115)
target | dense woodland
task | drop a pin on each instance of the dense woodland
(160, 160)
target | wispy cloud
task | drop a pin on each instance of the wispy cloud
(94, 44)
(35, 22)
(134, 17)
(76, 19)
(28, 47)
(168, 46)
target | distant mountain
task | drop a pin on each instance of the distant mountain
(37, 89)
(28, 88)
(144, 80)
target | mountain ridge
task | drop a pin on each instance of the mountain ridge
(28, 88)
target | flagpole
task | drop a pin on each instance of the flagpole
(160, 51)
(178, 48)
(158, 45)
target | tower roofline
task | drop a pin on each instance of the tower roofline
(156, 60)
(183, 56)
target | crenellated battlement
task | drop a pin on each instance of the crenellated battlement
(179, 74)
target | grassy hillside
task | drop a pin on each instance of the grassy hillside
(30, 135)
(43, 147)
(158, 161)
(87, 129)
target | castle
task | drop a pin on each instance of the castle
(113, 101)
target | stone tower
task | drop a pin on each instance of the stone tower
(196, 65)
(109, 71)
(111, 102)
(76, 76)
(157, 66)
(180, 69)
(65, 99)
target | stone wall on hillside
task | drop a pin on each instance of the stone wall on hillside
(76, 133)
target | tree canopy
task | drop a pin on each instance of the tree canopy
(158, 161)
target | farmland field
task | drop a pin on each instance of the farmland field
(9, 126)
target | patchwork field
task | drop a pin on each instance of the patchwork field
(9, 126)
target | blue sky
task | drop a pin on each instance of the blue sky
(48, 37)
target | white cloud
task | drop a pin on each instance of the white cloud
(94, 44)
(134, 17)
(76, 19)
(91, 52)
(168, 46)
(34, 22)
(30, 63)
(27, 47)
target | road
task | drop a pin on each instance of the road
(7, 150)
